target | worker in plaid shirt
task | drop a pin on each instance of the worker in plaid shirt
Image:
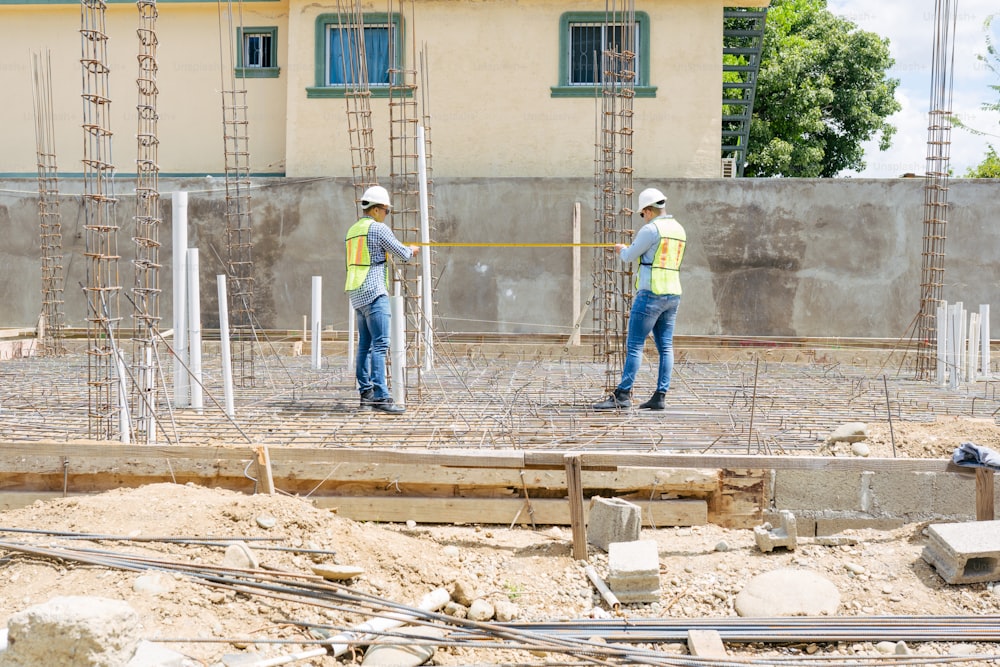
(369, 241)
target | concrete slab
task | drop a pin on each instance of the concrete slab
(964, 553)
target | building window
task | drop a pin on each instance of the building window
(258, 55)
(583, 37)
(338, 67)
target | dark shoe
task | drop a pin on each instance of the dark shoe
(618, 399)
(656, 402)
(367, 396)
(387, 406)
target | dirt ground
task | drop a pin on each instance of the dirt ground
(702, 568)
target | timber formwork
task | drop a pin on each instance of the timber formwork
(485, 442)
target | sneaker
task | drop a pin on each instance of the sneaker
(387, 406)
(617, 400)
(656, 402)
(367, 396)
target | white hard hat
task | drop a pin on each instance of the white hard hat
(652, 197)
(376, 195)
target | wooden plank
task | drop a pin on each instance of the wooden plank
(575, 496)
(264, 470)
(546, 511)
(984, 494)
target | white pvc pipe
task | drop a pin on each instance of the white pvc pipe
(225, 349)
(425, 236)
(124, 418)
(147, 407)
(942, 343)
(984, 340)
(180, 240)
(317, 321)
(351, 320)
(194, 329)
(397, 347)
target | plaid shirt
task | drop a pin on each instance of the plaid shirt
(380, 239)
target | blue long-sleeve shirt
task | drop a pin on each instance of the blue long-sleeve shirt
(644, 246)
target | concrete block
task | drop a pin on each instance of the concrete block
(612, 520)
(636, 558)
(964, 553)
(834, 525)
(634, 571)
(706, 644)
(798, 490)
(927, 495)
(784, 535)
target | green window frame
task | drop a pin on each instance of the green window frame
(567, 22)
(257, 55)
(325, 23)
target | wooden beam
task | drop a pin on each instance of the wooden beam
(984, 494)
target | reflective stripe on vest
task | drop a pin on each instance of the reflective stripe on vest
(665, 274)
(359, 260)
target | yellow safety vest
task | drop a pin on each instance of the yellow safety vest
(665, 276)
(359, 260)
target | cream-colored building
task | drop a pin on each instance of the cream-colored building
(507, 90)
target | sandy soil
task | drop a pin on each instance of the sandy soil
(702, 568)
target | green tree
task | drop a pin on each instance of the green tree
(822, 91)
(988, 168)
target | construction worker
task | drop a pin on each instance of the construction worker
(659, 247)
(368, 242)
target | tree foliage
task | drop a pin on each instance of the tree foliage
(988, 168)
(822, 91)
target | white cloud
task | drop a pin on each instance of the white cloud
(909, 26)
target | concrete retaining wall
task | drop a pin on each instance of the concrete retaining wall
(781, 257)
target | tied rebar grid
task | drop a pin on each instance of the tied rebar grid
(236, 142)
(357, 95)
(752, 405)
(146, 291)
(936, 186)
(613, 205)
(404, 118)
(49, 217)
(103, 287)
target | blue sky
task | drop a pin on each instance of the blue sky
(909, 27)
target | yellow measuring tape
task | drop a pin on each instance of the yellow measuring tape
(448, 244)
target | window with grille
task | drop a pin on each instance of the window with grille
(258, 56)
(583, 39)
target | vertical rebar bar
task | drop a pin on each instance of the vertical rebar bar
(103, 286)
(936, 185)
(236, 141)
(146, 291)
(49, 217)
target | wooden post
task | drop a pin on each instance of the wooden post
(574, 490)
(984, 494)
(264, 470)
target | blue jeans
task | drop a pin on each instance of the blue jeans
(657, 314)
(373, 345)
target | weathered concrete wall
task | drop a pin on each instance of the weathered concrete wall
(787, 257)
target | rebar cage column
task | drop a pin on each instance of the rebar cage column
(103, 286)
(146, 290)
(51, 321)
